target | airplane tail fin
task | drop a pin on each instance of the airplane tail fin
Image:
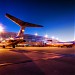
(20, 22)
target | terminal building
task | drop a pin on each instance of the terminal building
(27, 37)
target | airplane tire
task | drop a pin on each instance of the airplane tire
(13, 46)
(3, 46)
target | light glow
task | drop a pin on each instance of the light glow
(1, 28)
(36, 34)
(46, 36)
(57, 39)
(52, 37)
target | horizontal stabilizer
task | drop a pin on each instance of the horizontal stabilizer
(20, 22)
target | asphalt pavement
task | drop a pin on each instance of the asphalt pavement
(37, 61)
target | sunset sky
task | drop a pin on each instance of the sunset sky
(57, 17)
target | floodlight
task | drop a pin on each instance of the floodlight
(1, 28)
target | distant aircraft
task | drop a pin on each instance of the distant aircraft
(19, 37)
(61, 44)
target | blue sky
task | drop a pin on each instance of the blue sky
(57, 16)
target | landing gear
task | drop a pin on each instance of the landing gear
(3, 46)
(13, 46)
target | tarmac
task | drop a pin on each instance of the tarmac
(37, 61)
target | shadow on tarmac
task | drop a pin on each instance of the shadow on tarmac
(21, 51)
(26, 66)
(65, 65)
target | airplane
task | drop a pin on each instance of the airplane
(60, 44)
(19, 38)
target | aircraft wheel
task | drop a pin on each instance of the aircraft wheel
(13, 46)
(3, 46)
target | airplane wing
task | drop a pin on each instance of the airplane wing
(20, 22)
